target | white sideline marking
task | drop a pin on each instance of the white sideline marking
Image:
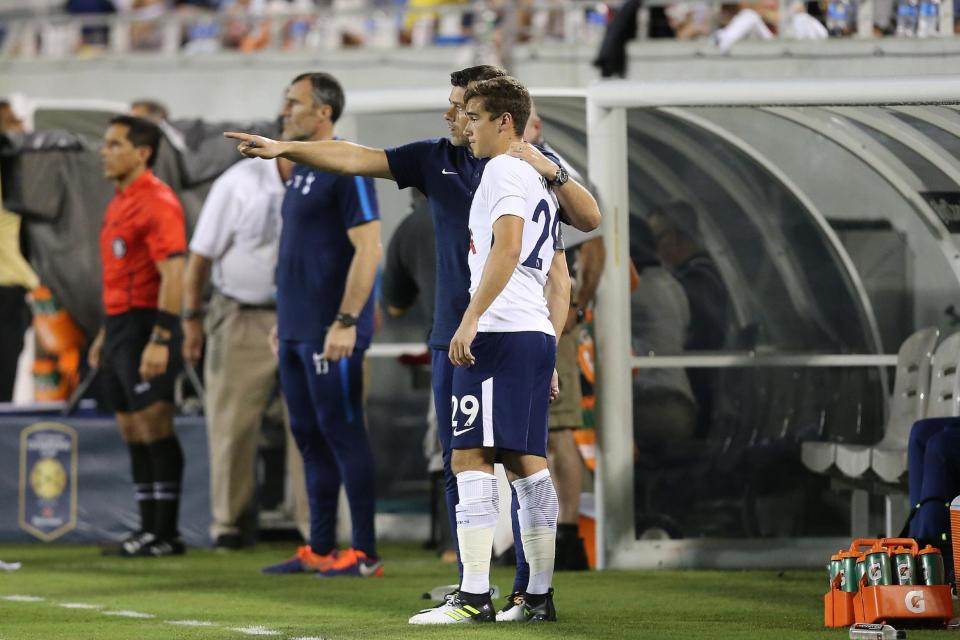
(253, 630)
(256, 631)
(192, 623)
(79, 605)
(129, 614)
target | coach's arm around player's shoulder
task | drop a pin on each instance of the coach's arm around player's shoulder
(578, 204)
(335, 156)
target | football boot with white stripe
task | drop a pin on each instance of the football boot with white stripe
(459, 608)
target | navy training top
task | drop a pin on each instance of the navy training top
(448, 175)
(315, 252)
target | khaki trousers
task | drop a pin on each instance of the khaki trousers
(240, 372)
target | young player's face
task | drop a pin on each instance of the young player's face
(120, 158)
(301, 115)
(483, 130)
(456, 117)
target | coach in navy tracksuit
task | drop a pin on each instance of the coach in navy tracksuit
(329, 250)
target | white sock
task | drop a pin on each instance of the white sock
(477, 514)
(538, 512)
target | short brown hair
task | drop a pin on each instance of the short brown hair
(503, 95)
(326, 90)
(475, 74)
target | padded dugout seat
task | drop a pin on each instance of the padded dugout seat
(890, 463)
(911, 386)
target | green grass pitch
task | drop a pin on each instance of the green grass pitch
(227, 591)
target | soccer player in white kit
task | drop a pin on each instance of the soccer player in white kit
(505, 352)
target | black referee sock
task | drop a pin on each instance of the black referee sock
(141, 468)
(167, 458)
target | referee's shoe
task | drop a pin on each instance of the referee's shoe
(165, 548)
(129, 546)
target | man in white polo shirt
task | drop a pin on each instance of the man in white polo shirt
(235, 244)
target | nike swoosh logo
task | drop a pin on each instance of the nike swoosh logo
(448, 173)
(368, 570)
(462, 431)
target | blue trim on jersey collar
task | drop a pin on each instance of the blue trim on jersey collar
(345, 386)
(364, 198)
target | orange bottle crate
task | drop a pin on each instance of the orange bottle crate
(903, 604)
(838, 607)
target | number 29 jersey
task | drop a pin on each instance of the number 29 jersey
(511, 187)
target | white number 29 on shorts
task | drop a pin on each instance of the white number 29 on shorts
(469, 406)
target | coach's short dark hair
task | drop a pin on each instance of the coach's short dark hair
(141, 133)
(503, 95)
(475, 74)
(325, 90)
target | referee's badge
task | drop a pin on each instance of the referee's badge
(119, 248)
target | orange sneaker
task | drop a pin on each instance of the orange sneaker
(352, 562)
(306, 561)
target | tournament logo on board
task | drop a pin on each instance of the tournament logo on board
(48, 480)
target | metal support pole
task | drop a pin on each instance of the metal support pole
(607, 154)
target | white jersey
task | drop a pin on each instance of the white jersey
(511, 187)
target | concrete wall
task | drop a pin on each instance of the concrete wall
(233, 85)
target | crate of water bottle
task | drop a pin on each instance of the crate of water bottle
(880, 579)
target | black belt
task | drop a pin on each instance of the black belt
(256, 307)
(243, 306)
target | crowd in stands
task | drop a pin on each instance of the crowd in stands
(205, 26)
(250, 25)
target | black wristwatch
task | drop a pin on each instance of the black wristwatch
(156, 338)
(560, 178)
(346, 319)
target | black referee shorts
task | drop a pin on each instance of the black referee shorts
(126, 336)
